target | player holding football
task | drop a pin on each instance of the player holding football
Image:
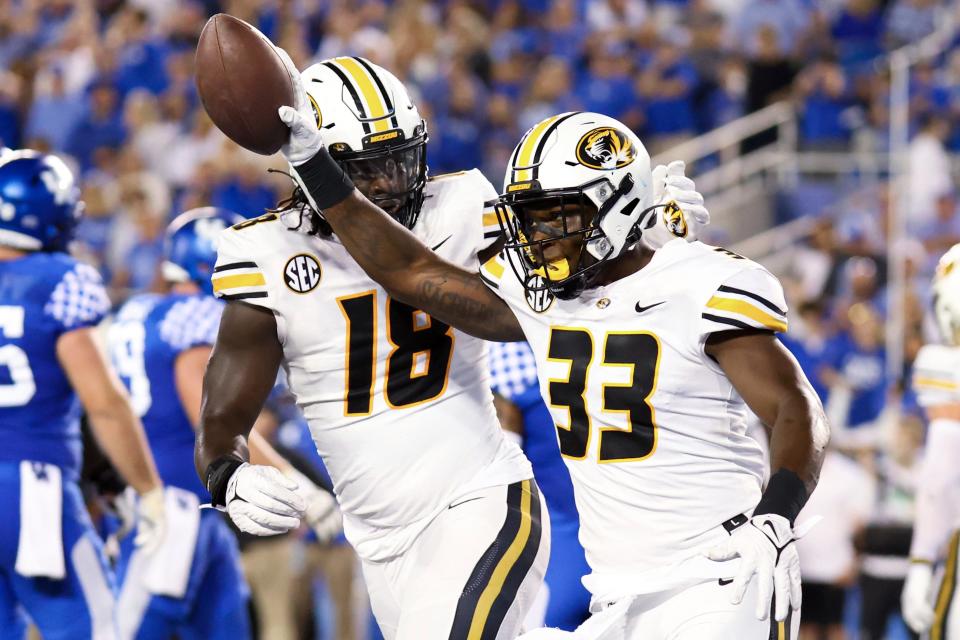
(936, 379)
(52, 564)
(440, 507)
(160, 345)
(648, 360)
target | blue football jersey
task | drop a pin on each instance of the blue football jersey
(43, 296)
(149, 332)
(513, 371)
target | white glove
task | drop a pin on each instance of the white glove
(670, 183)
(151, 520)
(261, 501)
(305, 138)
(765, 547)
(914, 599)
(322, 514)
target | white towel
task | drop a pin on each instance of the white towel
(40, 548)
(169, 567)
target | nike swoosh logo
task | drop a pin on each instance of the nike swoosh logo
(648, 307)
(724, 582)
(464, 502)
(440, 244)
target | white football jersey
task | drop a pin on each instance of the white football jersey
(936, 375)
(398, 403)
(652, 431)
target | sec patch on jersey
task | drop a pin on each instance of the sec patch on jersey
(302, 273)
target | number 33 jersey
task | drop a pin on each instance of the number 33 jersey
(652, 431)
(399, 404)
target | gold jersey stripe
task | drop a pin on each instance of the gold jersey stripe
(935, 383)
(748, 310)
(240, 280)
(371, 95)
(490, 219)
(499, 576)
(525, 157)
(494, 267)
(945, 597)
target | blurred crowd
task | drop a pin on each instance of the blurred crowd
(109, 85)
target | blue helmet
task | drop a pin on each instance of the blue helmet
(190, 250)
(39, 201)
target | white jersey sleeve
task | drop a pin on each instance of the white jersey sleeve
(938, 496)
(751, 298)
(936, 375)
(239, 274)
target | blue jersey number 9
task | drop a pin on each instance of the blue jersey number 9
(126, 349)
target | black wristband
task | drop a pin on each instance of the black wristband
(785, 495)
(218, 477)
(325, 180)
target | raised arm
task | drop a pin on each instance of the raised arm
(407, 269)
(387, 251)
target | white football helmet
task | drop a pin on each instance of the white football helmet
(570, 160)
(946, 295)
(373, 130)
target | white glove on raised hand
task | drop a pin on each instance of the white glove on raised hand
(151, 520)
(765, 546)
(670, 183)
(322, 514)
(305, 138)
(914, 599)
(262, 502)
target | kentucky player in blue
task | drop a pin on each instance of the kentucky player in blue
(52, 567)
(193, 586)
(521, 410)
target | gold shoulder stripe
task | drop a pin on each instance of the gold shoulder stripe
(525, 157)
(490, 219)
(748, 310)
(371, 95)
(494, 267)
(934, 383)
(240, 280)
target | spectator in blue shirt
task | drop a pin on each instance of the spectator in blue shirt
(910, 20)
(666, 86)
(856, 359)
(607, 87)
(790, 19)
(54, 114)
(100, 127)
(856, 31)
(141, 62)
(245, 192)
(822, 91)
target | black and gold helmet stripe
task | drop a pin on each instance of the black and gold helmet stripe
(364, 85)
(383, 91)
(498, 575)
(358, 103)
(526, 157)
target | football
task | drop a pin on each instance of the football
(242, 82)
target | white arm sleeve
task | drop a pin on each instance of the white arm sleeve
(938, 497)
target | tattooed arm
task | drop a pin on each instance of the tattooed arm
(413, 274)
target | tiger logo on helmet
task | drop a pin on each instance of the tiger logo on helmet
(575, 162)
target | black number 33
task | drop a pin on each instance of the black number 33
(638, 351)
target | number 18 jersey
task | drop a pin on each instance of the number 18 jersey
(398, 403)
(652, 431)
